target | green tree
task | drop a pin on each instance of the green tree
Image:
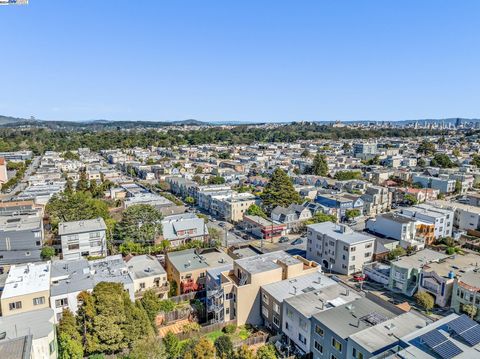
(151, 304)
(425, 300)
(347, 175)
(216, 180)
(244, 352)
(305, 153)
(279, 191)
(346, 147)
(470, 310)
(396, 252)
(320, 165)
(82, 183)
(458, 187)
(47, 253)
(255, 210)
(421, 162)
(140, 223)
(203, 349)
(224, 346)
(321, 217)
(150, 347)
(69, 155)
(172, 346)
(68, 348)
(173, 289)
(410, 199)
(69, 185)
(352, 213)
(267, 352)
(442, 160)
(475, 160)
(426, 148)
(190, 200)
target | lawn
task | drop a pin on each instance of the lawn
(241, 333)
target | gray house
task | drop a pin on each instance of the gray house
(83, 238)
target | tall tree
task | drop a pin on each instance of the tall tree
(82, 183)
(203, 349)
(426, 147)
(140, 223)
(224, 347)
(267, 352)
(279, 191)
(320, 165)
(172, 346)
(256, 210)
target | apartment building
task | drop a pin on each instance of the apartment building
(83, 238)
(466, 291)
(147, 274)
(259, 227)
(188, 268)
(27, 288)
(242, 284)
(442, 183)
(332, 329)
(29, 335)
(274, 295)
(338, 248)
(441, 218)
(181, 228)
(405, 271)
(299, 310)
(21, 239)
(376, 200)
(364, 150)
(438, 278)
(231, 207)
(397, 226)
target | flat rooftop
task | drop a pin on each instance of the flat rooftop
(38, 323)
(340, 232)
(266, 262)
(419, 259)
(20, 223)
(458, 264)
(145, 266)
(26, 279)
(193, 259)
(89, 225)
(294, 286)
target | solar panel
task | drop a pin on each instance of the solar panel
(461, 324)
(447, 350)
(472, 335)
(433, 338)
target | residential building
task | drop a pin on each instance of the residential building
(332, 329)
(441, 218)
(241, 286)
(438, 278)
(21, 239)
(299, 310)
(274, 294)
(466, 291)
(27, 288)
(188, 268)
(405, 271)
(293, 216)
(83, 238)
(3, 171)
(466, 217)
(263, 228)
(182, 228)
(340, 203)
(34, 332)
(376, 200)
(443, 183)
(147, 274)
(364, 150)
(338, 248)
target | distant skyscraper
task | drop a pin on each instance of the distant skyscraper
(458, 122)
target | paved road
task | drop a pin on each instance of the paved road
(21, 185)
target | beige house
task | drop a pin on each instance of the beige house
(241, 285)
(147, 274)
(27, 288)
(188, 268)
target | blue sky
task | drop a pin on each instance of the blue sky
(259, 60)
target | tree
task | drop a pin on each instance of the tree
(421, 162)
(425, 300)
(167, 305)
(69, 348)
(255, 210)
(321, 217)
(267, 352)
(244, 352)
(203, 349)
(224, 346)
(69, 155)
(410, 199)
(151, 304)
(458, 187)
(426, 148)
(456, 152)
(475, 160)
(470, 310)
(173, 289)
(352, 213)
(320, 165)
(199, 170)
(148, 348)
(442, 160)
(216, 180)
(305, 153)
(141, 223)
(190, 200)
(347, 175)
(346, 147)
(172, 346)
(224, 155)
(82, 183)
(47, 253)
(69, 185)
(396, 252)
(279, 191)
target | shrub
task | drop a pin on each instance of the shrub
(229, 329)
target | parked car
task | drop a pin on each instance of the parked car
(283, 239)
(359, 277)
(297, 242)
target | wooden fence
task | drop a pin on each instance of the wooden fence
(189, 296)
(253, 340)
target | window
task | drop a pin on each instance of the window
(276, 321)
(289, 313)
(319, 330)
(369, 245)
(15, 305)
(345, 248)
(38, 243)
(368, 254)
(142, 285)
(264, 311)
(353, 258)
(39, 301)
(337, 345)
(302, 339)
(302, 324)
(51, 346)
(276, 308)
(352, 249)
(265, 298)
(357, 354)
(72, 247)
(332, 356)
(94, 235)
(228, 296)
(318, 346)
(286, 325)
(227, 311)
(61, 302)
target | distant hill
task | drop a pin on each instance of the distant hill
(9, 120)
